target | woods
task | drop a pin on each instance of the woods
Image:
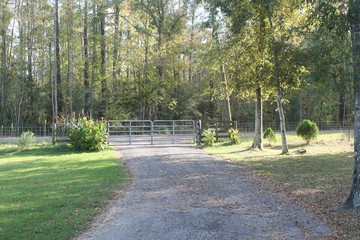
(262, 61)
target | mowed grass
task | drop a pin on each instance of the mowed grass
(320, 179)
(53, 192)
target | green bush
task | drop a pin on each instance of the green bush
(233, 135)
(87, 135)
(308, 130)
(26, 140)
(269, 135)
(209, 137)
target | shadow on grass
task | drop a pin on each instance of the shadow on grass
(291, 146)
(57, 150)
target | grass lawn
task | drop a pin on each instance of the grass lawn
(52, 192)
(320, 179)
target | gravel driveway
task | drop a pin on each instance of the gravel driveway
(180, 192)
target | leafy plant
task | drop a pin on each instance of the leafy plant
(269, 135)
(233, 135)
(26, 140)
(308, 130)
(209, 137)
(87, 135)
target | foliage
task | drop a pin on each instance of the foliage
(308, 130)
(26, 140)
(233, 135)
(269, 135)
(209, 137)
(43, 188)
(87, 135)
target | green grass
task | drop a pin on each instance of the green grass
(54, 192)
(320, 179)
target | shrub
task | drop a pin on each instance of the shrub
(308, 130)
(233, 135)
(87, 135)
(209, 137)
(269, 135)
(26, 140)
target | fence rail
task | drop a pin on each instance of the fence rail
(12, 131)
(167, 128)
(291, 126)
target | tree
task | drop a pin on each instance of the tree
(353, 200)
(86, 60)
(4, 74)
(58, 98)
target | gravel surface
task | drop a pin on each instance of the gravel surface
(180, 192)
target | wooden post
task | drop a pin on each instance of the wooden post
(130, 133)
(217, 131)
(54, 132)
(173, 132)
(198, 133)
(152, 133)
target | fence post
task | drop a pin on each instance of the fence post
(108, 133)
(152, 132)
(54, 132)
(198, 133)
(173, 132)
(217, 131)
(130, 133)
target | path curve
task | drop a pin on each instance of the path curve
(180, 192)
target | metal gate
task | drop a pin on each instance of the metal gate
(122, 132)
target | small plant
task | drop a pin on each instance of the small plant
(269, 135)
(308, 130)
(209, 137)
(26, 140)
(233, 135)
(87, 135)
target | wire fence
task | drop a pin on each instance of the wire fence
(12, 131)
(47, 131)
(291, 126)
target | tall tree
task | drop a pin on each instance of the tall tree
(104, 87)
(86, 60)
(58, 98)
(353, 200)
(4, 72)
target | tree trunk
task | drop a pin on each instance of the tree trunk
(284, 144)
(342, 101)
(354, 16)
(104, 88)
(70, 75)
(3, 73)
(30, 78)
(227, 94)
(258, 120)
(116, 71)
(58, 96)
(86, 62)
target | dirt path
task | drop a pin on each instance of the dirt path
(180, 192)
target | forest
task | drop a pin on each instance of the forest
(175, 59)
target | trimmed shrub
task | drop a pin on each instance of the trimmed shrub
(233, 135)
(269, 135)
(87, 135)
(209, 137)
(26, 140)
(308, 130)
